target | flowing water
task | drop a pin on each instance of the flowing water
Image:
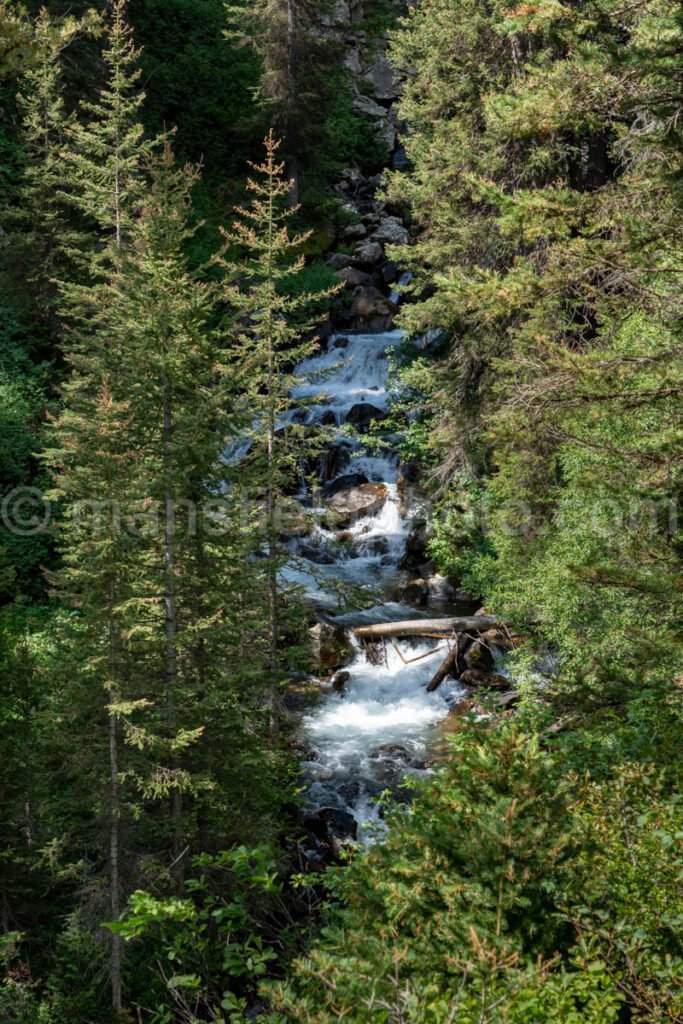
(378, 730)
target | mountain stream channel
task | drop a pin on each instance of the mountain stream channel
(375, 724)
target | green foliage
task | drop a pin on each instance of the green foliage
(509, 891)
(220, 941)
(557, 419)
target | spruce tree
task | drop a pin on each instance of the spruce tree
(273, 335)
(47, 237)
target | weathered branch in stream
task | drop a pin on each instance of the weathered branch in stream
(453, 664)
(428, 627)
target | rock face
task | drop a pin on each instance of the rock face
(354, 503)
(362, 415)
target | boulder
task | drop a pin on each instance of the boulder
(332, 821)
(389, 272)
(341, 342)
(363, 414)
(353, 232)
(343, 483)
(415, 592)
(392, 232)
(352, 277)
(338, 261)
(416, 545)
(508, 699)
(369, 302)
(366, 105)
(356, 502)
(339, 680)
(368, 253)
(439, 589)
(331, 648)
(487, 680)
(380, 78)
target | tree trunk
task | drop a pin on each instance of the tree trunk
(171, 629)
(114, 812)
(427, 627)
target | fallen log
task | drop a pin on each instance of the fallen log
(426, 627)
(453, 665)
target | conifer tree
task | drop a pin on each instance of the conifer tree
(274, 334)
(91, 455)
(296, 54)
(46, 237)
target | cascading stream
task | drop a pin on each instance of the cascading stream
(377, 731)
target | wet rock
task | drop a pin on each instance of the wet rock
(356, 502)
(415, 592)
(330, 647)
(376, 546)
(331, 462)
(349, 792)
(487, 680)
(416, 545)
(439, 589)
(339, 680)
(390, 750)
(479, 656)
(343, 483)
(314, 554)
(368, 253)
(332, 821)
(354, 278)
(328, 419)
(368, 303)
(362, 415)
(341, 342)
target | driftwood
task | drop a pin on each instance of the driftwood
(453, 665)
(427, 627)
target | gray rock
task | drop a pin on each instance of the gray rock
(357, 502)
(354, 232)
(339, 261)
(367, 253)
(366, 105)
(391, 231)
(380, 77)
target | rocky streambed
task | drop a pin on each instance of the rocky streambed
(374, 724)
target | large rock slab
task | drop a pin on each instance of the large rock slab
(355, 503)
